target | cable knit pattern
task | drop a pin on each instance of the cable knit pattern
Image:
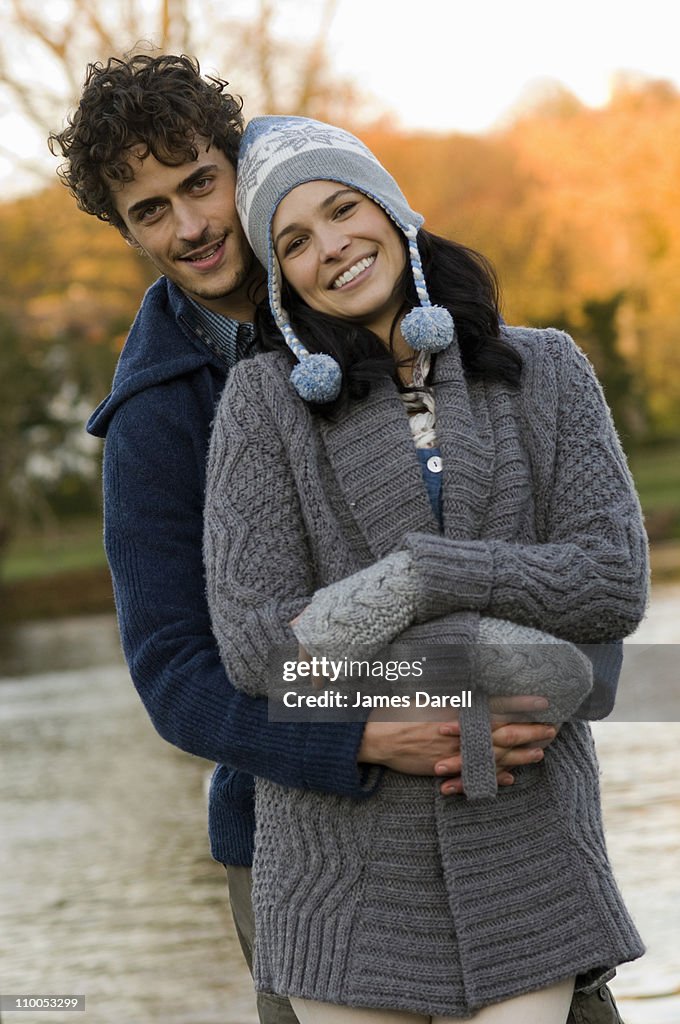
(411, 900)
(359, 615)
(586, 505)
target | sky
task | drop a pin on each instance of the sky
(449, 65)
(460, 65)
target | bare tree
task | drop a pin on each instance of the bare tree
(44, 49)
(279, 74)
(42, 54)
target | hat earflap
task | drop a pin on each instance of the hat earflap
(426, 328)
(317, 376)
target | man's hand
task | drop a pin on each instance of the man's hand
(433, 748)
(413, 748)
(514, 744)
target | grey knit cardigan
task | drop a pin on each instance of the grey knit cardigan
(410, 900)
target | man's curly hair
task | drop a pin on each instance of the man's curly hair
(161, 104)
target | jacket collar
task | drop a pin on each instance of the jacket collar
(161, 346)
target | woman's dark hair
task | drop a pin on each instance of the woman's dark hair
(458, 278)
(161, 104)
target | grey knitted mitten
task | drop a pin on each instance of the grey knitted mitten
(512, 660)
(359, 615)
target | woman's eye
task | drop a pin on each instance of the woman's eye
(345, 208)
(294, 246)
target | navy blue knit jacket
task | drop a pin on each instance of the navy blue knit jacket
(157, 422)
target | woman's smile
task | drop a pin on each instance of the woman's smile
(356, 271)
(341, 253)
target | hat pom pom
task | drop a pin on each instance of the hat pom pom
(428, 328)
(317, 378)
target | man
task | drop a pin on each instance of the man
(152, 150)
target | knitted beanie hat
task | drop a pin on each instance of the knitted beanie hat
(276, 155)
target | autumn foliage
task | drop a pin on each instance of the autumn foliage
(580, 211)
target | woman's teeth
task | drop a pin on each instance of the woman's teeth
(353, 272)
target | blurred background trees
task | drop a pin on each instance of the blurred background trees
(580, 211)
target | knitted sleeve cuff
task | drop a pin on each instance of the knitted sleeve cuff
(360, 614)
(452, 575)
(330, 761)
(606, 660)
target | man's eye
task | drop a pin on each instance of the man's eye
(150, 213)
(200, 184)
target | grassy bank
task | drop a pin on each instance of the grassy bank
(74, 546)
(657, 477)
(72, 592)
(55, 573)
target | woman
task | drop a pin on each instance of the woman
(320, 513)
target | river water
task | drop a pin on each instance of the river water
(107, 888)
